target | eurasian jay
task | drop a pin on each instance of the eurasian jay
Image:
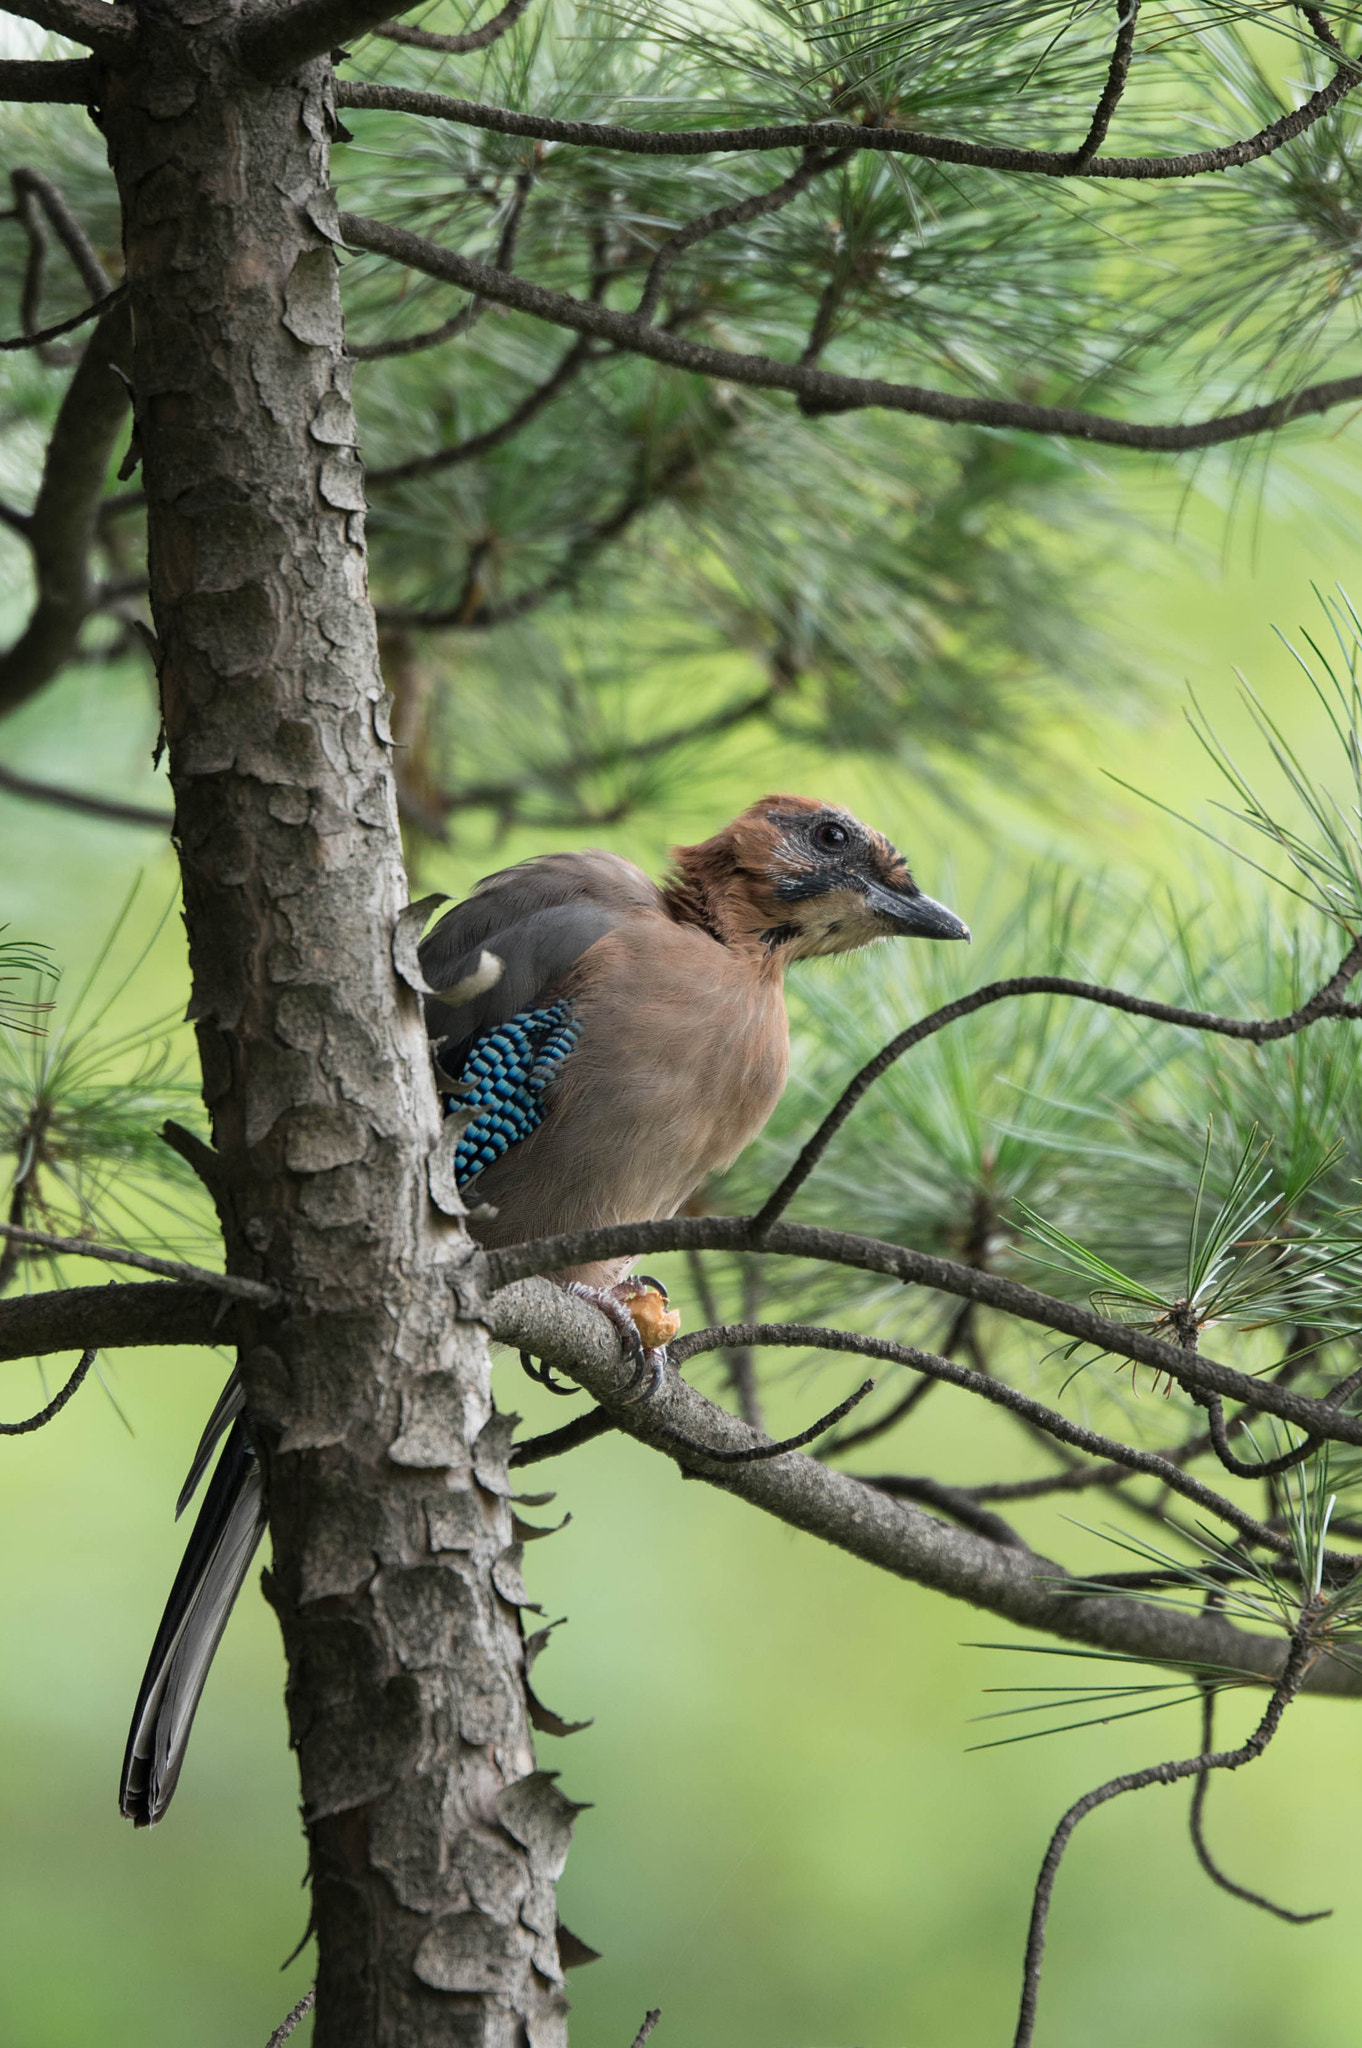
(618, 1043)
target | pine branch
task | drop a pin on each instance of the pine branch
(824, 390)
(235, 1285)
(853, 136)
(1326, 1002)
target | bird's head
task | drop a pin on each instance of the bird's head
(800, 878)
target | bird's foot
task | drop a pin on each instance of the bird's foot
(637, 1306)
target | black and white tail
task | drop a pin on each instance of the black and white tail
(226, 1536)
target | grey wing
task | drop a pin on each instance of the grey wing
(537, 920)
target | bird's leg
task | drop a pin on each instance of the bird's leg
(637, 1306)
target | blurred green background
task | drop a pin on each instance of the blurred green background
(790, 1844)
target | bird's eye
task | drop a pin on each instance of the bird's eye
(832, 836)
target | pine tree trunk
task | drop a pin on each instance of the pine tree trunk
(433, 1842)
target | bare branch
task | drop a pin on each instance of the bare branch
(896, 1537)
(851, 135)
(233, 1284)
(55, 1405)
(583, 1429)
(650, 2020)
(1298, 1662)
(826, 390)
(454, 46)
(1197, 1829)
(1127, 13)
(1326, 1002)
(32, 189)
(77, 800)
(41, 338)
(111, 1317)
(1193, 1371)
(63, 522)
(286, 2026)
(65, 81)
(98, 25)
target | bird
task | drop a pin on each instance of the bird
(608, 1043)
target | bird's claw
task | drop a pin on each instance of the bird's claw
(613, 1303)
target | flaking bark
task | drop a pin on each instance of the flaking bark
(433, 1841)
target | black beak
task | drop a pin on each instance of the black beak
(915, 917)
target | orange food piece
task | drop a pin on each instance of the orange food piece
(655, 1322)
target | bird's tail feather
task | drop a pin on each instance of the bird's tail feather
(225, 1538)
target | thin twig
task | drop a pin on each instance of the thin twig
(754, 207)
(758, 1452)
(46, 334)
(1127, 12)
(55, 1405)
(234, 1284)
(1197, 1829)
(473, 445)
(454, 46)
(650, 2020)
(554, 1442)
(78, 800)
(1299, 1659)
(285, 2027)
(1326, 1002)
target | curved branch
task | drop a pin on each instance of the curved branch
(1326, 1002)
(32, 189)
(756, 206)
(826, 390)
(454, 46)
(63, 521)
(55, 1405)
(851, 135)
(1193, 1371)
(802, 1336)
(1015, 1583)
(1300, 1655)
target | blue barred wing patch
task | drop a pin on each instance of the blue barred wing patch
(504, 1078)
